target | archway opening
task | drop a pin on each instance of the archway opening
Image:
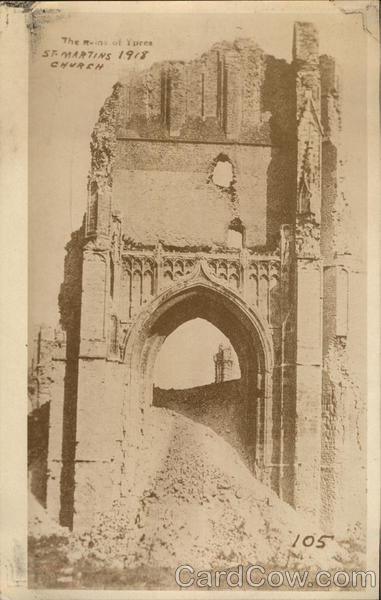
(234, 409)
(196, 354)
(197, 375)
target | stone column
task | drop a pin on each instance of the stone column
(308, 373)
(308, 272)
(98, 404)
(288, 366)
(91, 376)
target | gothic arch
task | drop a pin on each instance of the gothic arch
(223, 297)
(245, 328)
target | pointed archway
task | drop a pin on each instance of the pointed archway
(249, 335)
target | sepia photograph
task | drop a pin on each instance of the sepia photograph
(198, 396)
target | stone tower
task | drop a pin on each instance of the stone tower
(214, 192)
(223, 364)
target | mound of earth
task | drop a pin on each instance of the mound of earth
(199, 504)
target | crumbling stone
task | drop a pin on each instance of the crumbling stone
(157, 249)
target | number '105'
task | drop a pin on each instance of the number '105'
(310, 540)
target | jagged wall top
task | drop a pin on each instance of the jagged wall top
(219, 96)
(232, 93)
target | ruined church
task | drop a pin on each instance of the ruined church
(214, 193)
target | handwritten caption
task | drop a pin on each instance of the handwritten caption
(87, 54)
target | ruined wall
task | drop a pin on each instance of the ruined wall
(220, 95)
(301, 394)
(62, 421)
(98, 453)
(46, 376)
(166, 192)
(242, 112)
(47, 342)
(157, 220)
(343, 446)
(233, 102)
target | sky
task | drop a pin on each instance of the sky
(194, 365)
(64, 104)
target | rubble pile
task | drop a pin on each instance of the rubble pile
(200, 505)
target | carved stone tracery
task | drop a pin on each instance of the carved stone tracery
(146, 273)
(307, 237)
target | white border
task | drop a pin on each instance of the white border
(13, 303)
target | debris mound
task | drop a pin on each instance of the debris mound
(199, 504)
